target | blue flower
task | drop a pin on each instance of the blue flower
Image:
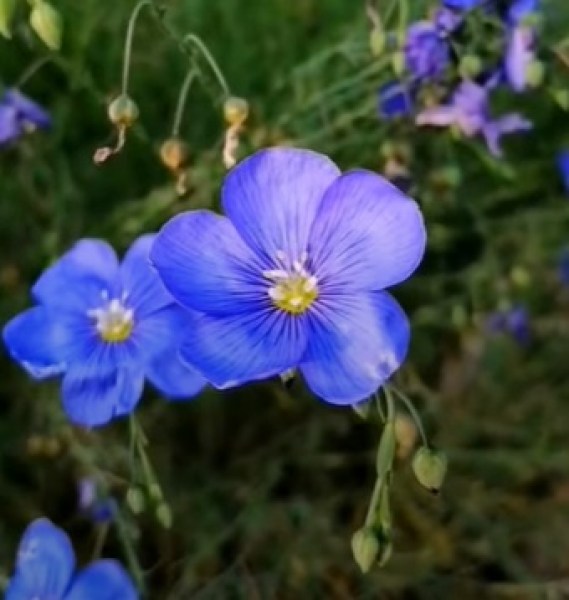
(20, 115)
(293, 277)
(563, 168)
(45, 570)
(447, 20)
(104, 327)
(463, 4)
(514, 321)
(100, 509)
(469, 111)
(426, 52)
(394, 100)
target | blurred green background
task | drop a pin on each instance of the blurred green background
(266, 484)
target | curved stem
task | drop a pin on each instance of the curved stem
(182, 98)
(414, 414)
(372, 508)
(128, 42)
(194, 39)
(32, 70)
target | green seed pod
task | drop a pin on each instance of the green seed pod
(46, 21)
(430, 467)
(365, 548)
(174, 154)
(235, 110)
(7, 8)
(123, 111)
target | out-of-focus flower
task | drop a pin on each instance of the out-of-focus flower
(294, 277)
(514, 321)
(426, 52)
(520, 45)
(104, 327)
(20, 115)
(45, 568)
(469, 111)
(463, 4)
(446, 20)
(99, 508)
(563, 168)
(394, 100)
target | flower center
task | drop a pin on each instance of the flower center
(114, 321)
(293, 288)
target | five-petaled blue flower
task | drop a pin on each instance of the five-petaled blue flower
(426, 51)
(45, 570)
(19, 115)
(293, 277)
(104, 327)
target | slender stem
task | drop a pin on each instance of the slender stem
(100, 540)
(32, 70)
(375, 496)
(130, 555)
(194, 39)
(403, 19)
(128, 42)
(182, 98)
(390, 405)
(379, 407)
(414, 414)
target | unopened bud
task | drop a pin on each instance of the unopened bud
(377, 42)
(562, 98)
(123, 111)
(365, 548)
(7, 8)
(135, 500)
(430, 467)
(470, 66)
(164, 515)
(235, 110)
(520, 276)
(398, 63)
(174, 154)
(46, 21)
(535, 73)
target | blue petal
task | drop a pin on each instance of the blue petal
(29, 112)
(173, 378)
(44, 565)
(103, 580)
(37, 341)
(96, 400)
(10, 129)
(356, 343)
(368, 235)
(272, 198)
(394, 100)
(140, 281)
(231, 350)
(462, 4)
(563, 167)
(206, 266)
(520, 9)
(79, 278)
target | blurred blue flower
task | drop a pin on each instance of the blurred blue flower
(45, 570)
(426, 52)
(563, 267)
(98, 509)
(104, 327)
(20, 115)
(463, 4)
(563, 168)
(513, 321)
(294, 277)
(394, 100)
(520, 44)
(469, 111)
(447, 20)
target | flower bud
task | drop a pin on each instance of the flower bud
(430, 467)
(365, 548)
(398, 63)
(135, 500)
(7, 8)
(174, 154)
(235, 110)
(164, 515)
(123, 111)
(535, 73)
(470, 66)
(561, 96)
(46, 21)
(377, 42)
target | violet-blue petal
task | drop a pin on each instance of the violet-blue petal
(175, 379)
(28, 111)
(233, 349)
(78, 278)
(510, 123)
(103, 580)
(563, 168)
(368, 235)
(44, 565)
(519, 55)
(462, 4)
(394, 100)
(38, 342)
(10, 128)
(273, 196)
(139, 280)
(437, 116)
(426, 51)
(520, 9)
(356, 343)
(447, 20)
(206, 266)
(96, 400)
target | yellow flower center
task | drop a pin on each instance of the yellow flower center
(114, 321)
(293, 288)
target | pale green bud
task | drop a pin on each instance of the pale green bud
(535, 73)
(164, 515)
(123, 111)
(470, 66)
(7, 8)
(562, 98)
(377, 42)
(46, 21)
(430, 467)
(365, 548)
(135, 500)
(398, 63)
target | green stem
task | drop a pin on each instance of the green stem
(414, 414)
(403, 20)
(182, 98)
(390, 405)
(32, 70)
(196, 41)
(128, 42)
(372, 508)
(130, 555)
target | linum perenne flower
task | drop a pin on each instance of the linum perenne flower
(45, 569)
(293, 277)
(19, 115)
(426, 51)
(104, 327)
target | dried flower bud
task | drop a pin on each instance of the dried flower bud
(174, 154)
(365, 548)
(123, 111)
(46, 21)
(7, 8)
(235, 110)
(430, 467)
